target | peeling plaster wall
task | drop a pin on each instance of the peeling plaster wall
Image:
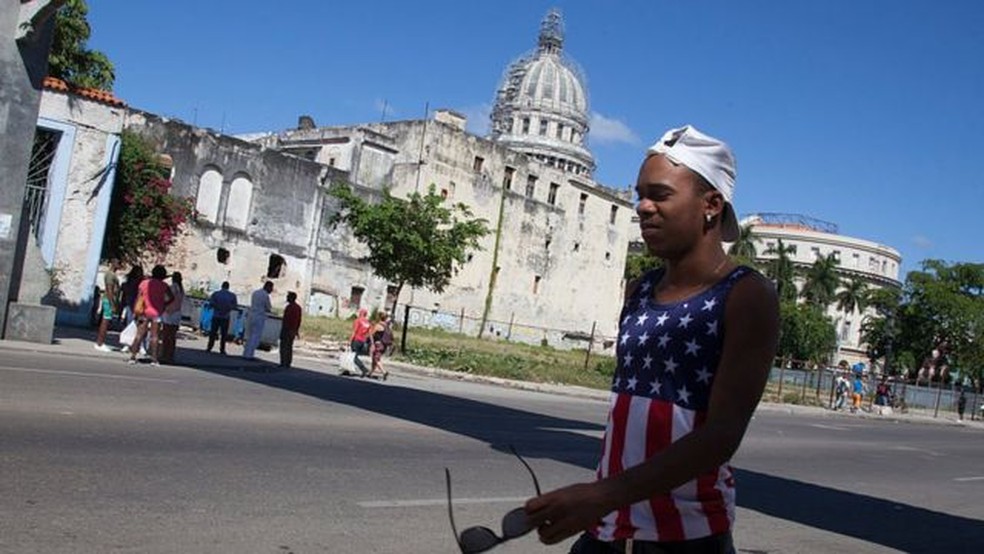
(79, 189)
(269, 204)
(580, 270)
(288, 215)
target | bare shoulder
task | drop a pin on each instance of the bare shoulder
(755, 289)
(753, 305)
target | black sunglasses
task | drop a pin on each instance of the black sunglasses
(480, 539)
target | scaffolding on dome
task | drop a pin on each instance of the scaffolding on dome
(549, 42)
(795, 220)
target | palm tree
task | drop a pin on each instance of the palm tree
(743, 249)
(854, 296)
(781, 271)
(822, 282)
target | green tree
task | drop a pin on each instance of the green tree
(144, 217)
(69, 58)
(853, 296)
(743, 250)
(806, 334)
(945, 302)
(822, 282)
(879, 331)
(780, 269)
(419, 241)
(637, 264)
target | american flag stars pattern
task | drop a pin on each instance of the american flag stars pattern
(667, 357)
(656, 341)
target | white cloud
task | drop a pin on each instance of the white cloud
(606, 130)
(922, 242)
(478, 118)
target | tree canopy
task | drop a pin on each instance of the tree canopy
(940, 303)
(70, 59)
(744, 249)
(822, 282)
(781, 270)
(421, 241)
(637, 264)
(806, 334)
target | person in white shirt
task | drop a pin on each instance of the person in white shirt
(259, 307)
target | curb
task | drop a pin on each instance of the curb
(330, 358)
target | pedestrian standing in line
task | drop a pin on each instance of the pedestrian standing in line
(223, 302)
(359, 340)
(961, 404)
(696, 343)
(128, 293)
(153, 297)
(259, 307)
(290, 327)
(110, 305)
(172, 320)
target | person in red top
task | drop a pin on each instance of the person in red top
(153, 297)
(289, 328)
(359, 341)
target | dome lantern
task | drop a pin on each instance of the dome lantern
(541, 106)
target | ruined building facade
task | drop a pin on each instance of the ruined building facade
(551, 270)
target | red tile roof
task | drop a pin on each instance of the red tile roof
(101, 96)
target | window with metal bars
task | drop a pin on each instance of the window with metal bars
(38, 177)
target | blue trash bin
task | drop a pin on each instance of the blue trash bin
(205, 319)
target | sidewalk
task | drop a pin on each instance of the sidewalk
(191, 352)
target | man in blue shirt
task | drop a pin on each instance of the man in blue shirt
(223, 302)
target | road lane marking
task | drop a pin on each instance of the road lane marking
(964, 479)
(592, 433)
(439, 502)
(920, 450)
(831, 427)
(80, 374)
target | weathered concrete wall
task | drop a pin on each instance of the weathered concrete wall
(560, 264)
(579, 269)
(268, 205)
(79, 193)
(23, 64)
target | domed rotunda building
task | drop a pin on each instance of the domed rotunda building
(541, 106)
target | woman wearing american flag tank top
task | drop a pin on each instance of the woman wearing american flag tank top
(696, 342)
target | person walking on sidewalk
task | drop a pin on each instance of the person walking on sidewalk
(110, 305)
(858, 393)
(259, 307)
(359, 340)
(696, 343)
(289, 328)
(223, 302)
(841, 387)
(381, 338)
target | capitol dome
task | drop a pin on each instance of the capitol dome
(541, 106)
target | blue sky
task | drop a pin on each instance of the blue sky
(865, 113)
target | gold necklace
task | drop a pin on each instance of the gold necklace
(689, 291)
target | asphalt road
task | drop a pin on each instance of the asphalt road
(98, 456)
